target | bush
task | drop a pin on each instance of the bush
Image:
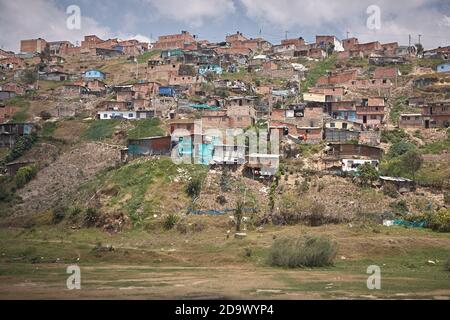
(317, 216)
(221, 200)
(25, 175)
(393, 136)
(91, 217)
(58, 214)
(45, 115)
(440, 221)
(400, 148)
(224, 183)
(194, 187)
(447, 198)
(304, 252)
(390, 190)
(74, 213)
(170, 221)
(367, 173)
(399, 207)
(23, 144)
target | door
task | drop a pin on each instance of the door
(427, 124)
(364, 119)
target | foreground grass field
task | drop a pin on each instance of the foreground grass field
(208, 264)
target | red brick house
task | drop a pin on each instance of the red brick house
(174, 41)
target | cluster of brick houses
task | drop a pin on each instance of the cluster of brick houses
(184, 83)
(434, 114)
(91, 45)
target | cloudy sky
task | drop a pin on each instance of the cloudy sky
(213, 19)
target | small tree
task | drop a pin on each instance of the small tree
(367, 173)
(225, 180)
(29, 76)
(419, 48)
(412, 161)
(239, 214)
(24, 175)
(330, 49)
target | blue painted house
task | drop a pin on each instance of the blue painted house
(206, 68)
(167, 91)
(444, 67)
(94, 74)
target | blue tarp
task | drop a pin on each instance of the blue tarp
(410, 224)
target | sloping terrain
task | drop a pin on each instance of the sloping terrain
(59, 179)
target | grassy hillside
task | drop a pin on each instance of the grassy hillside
(144, 188)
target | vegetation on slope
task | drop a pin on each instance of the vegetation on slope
(143, 188)
(146, 128)
(99, 130)
(317, 71)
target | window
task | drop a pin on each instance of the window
(373, 117)
(344, 126)
(130, 115)
(105, 115)
(332, 125)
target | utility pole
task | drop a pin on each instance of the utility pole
(348, 34)
(137, 68)
(409, 40)
(420, 36)
(286, 34)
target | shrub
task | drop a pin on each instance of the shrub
(91, 217)
(400, 148)
(170, 221)
(198, 226)
(440, 221)
(182, 228)
(447, 266)
(58, 214)
(399, 207)
(367, 173)
(74, 213)
(317, 216)
(393, 136)
(310, 251)
(5, 195)
(224, 183)
(390, 190)
(447, 198)
(221, 200)
(25, 175)
(45, 115)
(304, 186)
(23, 144)
(238, 215)
(194, 187)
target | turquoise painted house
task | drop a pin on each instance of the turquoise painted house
(94, 74)
(206, 68)
(200, 153)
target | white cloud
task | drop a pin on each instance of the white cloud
(193, 12)
(23, 19)
(138, 37)
(398, 18)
